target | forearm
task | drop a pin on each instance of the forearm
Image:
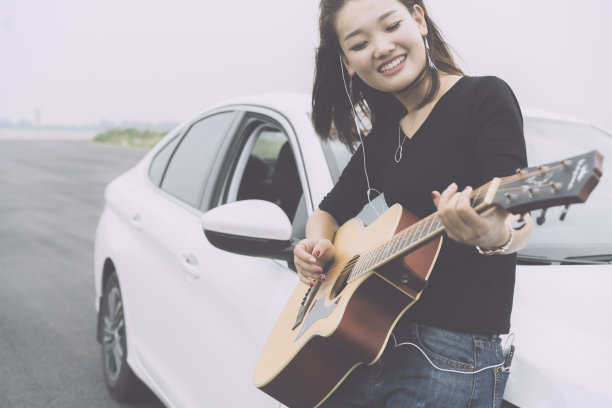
(321, 224)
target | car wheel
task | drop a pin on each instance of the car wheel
(120, 379)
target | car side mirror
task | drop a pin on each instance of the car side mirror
(250, 227)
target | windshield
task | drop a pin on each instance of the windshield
(587, 228)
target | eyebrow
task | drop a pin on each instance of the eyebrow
(359, 31)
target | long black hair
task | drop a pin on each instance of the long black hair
(330, 104)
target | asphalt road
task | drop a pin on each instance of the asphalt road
(51, 195)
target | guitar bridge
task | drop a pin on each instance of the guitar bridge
(306, 302)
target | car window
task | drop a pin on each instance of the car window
(266, 169)
(190, 164)
(159, 162)
(585, 231)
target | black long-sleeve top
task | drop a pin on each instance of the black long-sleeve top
(473, 134)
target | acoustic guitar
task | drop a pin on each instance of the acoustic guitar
(377, 273)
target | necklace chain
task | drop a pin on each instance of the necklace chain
(400, 143)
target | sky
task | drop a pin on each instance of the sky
(77, 62)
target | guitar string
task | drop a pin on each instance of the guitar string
(480, 190)
(331, 272)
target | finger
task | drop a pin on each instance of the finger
(449, 217)
(309, 269)
(303, 251)
(446, 195)
(435, 195)
(465, 213)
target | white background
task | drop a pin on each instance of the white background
(82, 61)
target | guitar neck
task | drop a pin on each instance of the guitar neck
(417, 234)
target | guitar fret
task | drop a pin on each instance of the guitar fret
(410, 236)
(409, 239)
(396, 245)
(426, 227)
(404, 240)
(419, 231)
(439, 225)
(432, 225)
(384, 251)
(373, 256)
(387, 251)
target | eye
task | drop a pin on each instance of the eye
(359, 46)
(394, 26)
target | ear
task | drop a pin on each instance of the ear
(418, 14)
(346, 64)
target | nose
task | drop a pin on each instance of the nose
(383, 47)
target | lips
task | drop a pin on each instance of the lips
(389, 65)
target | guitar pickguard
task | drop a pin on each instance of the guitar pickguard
(319, 311)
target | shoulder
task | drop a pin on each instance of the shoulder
(483, 85)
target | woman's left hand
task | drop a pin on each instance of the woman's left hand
(463, 224)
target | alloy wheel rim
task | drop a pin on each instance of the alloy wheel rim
(113, 336)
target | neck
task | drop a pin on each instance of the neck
(412, 95)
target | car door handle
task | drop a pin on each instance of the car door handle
(136, 221)
(190, 265)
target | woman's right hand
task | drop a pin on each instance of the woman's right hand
(309, 256)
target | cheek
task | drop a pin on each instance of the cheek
(360, 65)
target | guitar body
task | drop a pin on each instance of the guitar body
(348, 321)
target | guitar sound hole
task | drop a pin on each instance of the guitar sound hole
(340, 283)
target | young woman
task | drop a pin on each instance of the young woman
(435, 134)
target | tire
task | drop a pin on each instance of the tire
(120, 379)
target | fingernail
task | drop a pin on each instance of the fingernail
(322, 277)
(316, 253)
(434, 194)
(319, 270)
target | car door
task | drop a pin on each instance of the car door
(232, 306)
(161, 267)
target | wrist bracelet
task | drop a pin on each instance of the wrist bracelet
(500, 249)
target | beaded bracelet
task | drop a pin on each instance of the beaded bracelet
(500, 249)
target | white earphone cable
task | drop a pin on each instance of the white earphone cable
(407, 343)
(359, 131)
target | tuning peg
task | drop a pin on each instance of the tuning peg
(533, 191)
(542, 217)
(555, 187)
(520, 172)
(564, 213)
(510, 197)
(566, 164)
(519, 224)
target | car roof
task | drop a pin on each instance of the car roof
(298, 103)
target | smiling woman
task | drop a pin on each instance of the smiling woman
(434, 134)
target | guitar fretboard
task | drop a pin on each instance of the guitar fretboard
(421, 231)
(413, 236)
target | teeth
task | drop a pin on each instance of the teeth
(393, 64)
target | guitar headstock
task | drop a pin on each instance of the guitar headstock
(560, 183)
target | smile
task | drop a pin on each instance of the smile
(390, 65)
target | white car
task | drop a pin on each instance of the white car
(189, 320)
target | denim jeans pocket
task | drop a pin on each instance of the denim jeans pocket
(448, 349)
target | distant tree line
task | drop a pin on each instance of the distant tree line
(130, 137)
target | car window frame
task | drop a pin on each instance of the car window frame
(206, 187)
(177, 138)
(233, 185)
(252, 118)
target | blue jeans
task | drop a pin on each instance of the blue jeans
(403, 377)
